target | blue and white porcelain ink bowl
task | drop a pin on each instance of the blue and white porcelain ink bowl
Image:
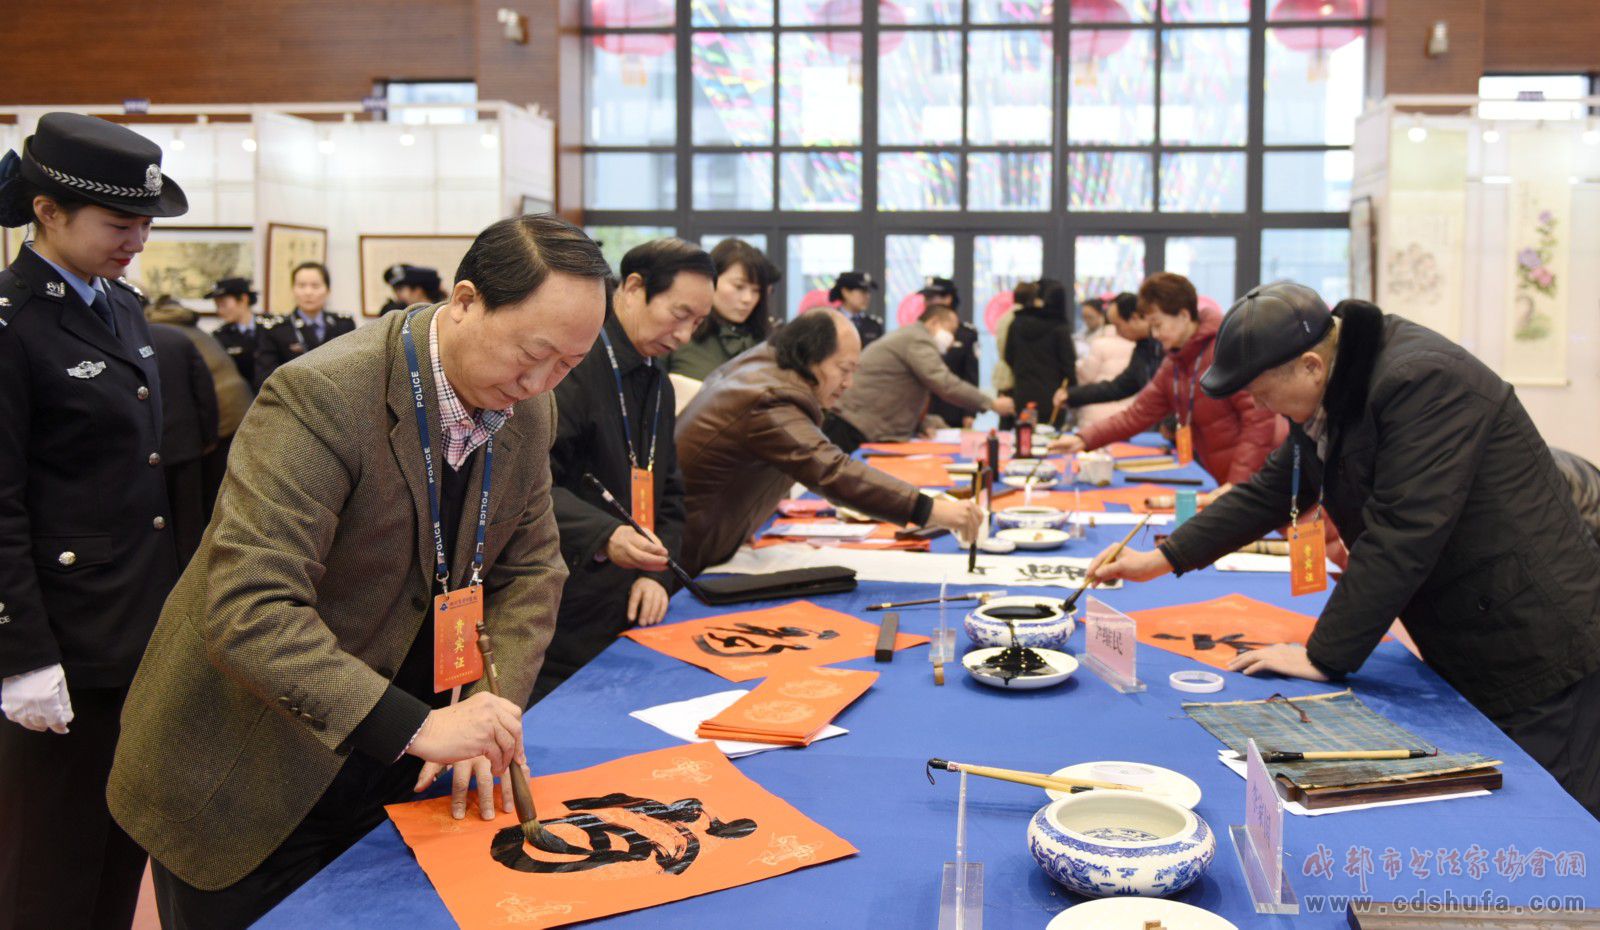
(1030, 517)
(1040, 623)
(1108, 843)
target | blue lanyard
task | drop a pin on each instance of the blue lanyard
(1294, 484)
(442, 569)
(627, 425)
(1194, 375)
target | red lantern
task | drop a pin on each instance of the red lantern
(910, 308)
(1317, 41)
(848, 13)
(996, 308)
(1090, 44)
(813, 300)
(626, 14)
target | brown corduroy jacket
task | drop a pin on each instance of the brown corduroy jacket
(745, 439)
(309, 588)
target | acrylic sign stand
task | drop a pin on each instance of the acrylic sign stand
(961, 890)
(943, 649)
(1259, 840)
(1112, 636)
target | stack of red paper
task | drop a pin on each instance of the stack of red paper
(789, 708)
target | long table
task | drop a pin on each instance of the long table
(1527, 842)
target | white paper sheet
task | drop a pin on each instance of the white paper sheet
(1231, 759)
(827, 530)
(1119, 519)
(916, 567)
(1259, 562)
(682, 718)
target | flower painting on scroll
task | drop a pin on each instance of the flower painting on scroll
(1536, 278)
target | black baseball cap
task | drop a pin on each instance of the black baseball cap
(232, 287)
(1268, 326)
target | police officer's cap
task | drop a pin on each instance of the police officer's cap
(1268, 326)
(413, 276)
(94, 160)
(853, 280)
(232, 287)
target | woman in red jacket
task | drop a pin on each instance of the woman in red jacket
(1231, 436)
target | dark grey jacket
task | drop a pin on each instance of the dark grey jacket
(1456, 519)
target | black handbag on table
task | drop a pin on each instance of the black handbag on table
(722, 590)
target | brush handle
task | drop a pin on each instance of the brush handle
(621, 511)
(1088, 581)
(1345, 755)
(521, 794)
(1035, 779)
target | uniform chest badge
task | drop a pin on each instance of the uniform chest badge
(5, 301)
(86, 369)
(235, 350)
(146, 351)
(56, 289)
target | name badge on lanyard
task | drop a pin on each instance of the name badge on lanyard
(1185, 435)
(642, 481)
(456, 614)
(1308, 548)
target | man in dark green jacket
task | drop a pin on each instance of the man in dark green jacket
(1455, 515)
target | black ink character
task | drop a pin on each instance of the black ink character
(747, 639)
(625, 820)
(1205, 641)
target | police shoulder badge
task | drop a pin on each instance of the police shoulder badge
(86, 369)
(152, 179)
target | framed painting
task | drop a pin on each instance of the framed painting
(287, 246)
(440, 252)
(186, 261)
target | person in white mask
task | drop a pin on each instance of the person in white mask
(898, 375)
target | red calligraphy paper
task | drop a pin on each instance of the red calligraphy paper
(1214, 632)
(757, 643)
(646, 829)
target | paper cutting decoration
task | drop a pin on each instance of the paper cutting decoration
(647, 829)
(757, 643)
(1215, 632)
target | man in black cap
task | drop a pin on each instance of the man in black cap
(853, 293)
(412, 284)
(961, 356)
(238, 333)
(1455, 515)
(88, 555)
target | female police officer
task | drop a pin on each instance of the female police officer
(86, 558)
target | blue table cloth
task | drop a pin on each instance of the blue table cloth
(1526, 843)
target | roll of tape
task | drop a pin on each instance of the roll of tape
(1196, 682)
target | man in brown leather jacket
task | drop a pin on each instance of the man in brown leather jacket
(754, 430)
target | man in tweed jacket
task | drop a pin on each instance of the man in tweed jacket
(287, 692)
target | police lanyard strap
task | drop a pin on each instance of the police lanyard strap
(1294, 485)
(1194, 375)
(442, 564)
(627, 425)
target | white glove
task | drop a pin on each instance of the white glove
(38, 699)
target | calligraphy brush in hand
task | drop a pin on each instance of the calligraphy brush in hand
(533, 832)
(1071, 603)
(621, 511)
